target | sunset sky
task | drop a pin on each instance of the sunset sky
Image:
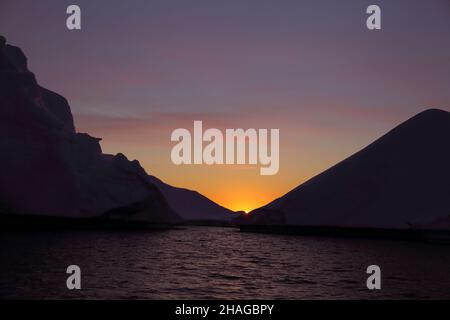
(140, 69)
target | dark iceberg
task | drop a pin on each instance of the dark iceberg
(49, 169)
(399, 182)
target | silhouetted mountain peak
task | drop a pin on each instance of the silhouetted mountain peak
(430, 119)
(400, 180)
(426, 132)
(14, 54)
(432, 113)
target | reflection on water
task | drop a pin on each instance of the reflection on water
(217, 263)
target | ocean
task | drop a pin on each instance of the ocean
(217, 263)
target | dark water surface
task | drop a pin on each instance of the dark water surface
(217, 263)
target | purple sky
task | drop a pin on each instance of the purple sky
(139, 69)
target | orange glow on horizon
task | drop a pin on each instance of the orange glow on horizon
(235, 187)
